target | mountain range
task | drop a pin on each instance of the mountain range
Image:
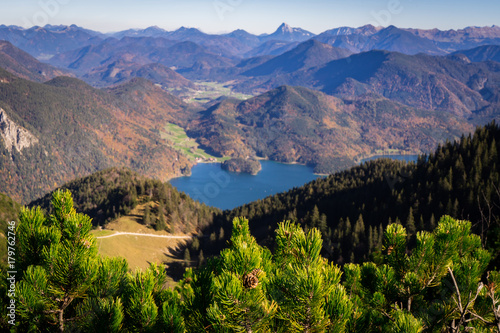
(104, 60)
(453, 84)
(108, 59)
(47, 41)
(97, 118)
(44, 42)
(312, 97)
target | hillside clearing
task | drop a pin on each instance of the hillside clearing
(127, 238)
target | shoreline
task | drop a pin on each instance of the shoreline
(357, 161)
(257, 158)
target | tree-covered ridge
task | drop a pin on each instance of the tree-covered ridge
(352, 208)
(81, 130)
(24, 65)
(108, 194)
(295, 124)
(438, 284)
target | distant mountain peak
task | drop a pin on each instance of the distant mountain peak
(365, 30)
(155, 28)
(391, 28)
(284, 27)
(187, 29)
(186, 32)
(288, 33)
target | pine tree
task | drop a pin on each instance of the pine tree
(102, 310)
(347, 226)
(358, 234)
(247, 289)
(221, 233)
(187, 257)
(148, 306)
(147, 215)
(371, 240)
(449, 261)
(195, 245)
(315, 217)
(201, 258)
(432, 222)
(305, 286)
(229, 293)
(410, 223)
(160, 223)
(421, 223)
(213, 237)
(60, 261)
(323, 224)
(66, 286)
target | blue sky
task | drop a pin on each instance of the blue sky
(255, 16)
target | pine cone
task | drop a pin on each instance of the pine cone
(256, 272)
(250, 280)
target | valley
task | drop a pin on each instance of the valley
(237, 102)
(185, 181)
(187, 146)
(207, 92)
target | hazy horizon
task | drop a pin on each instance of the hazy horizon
(257, 16)
(229, 31)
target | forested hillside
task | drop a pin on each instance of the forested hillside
(25, 66)
(63, 129)
(296, 124)
(108, 194)
(353, 207)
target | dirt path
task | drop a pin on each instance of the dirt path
(118, 233)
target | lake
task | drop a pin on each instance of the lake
(210, 184)
(227, 190)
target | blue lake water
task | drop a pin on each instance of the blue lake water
(226, 190)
